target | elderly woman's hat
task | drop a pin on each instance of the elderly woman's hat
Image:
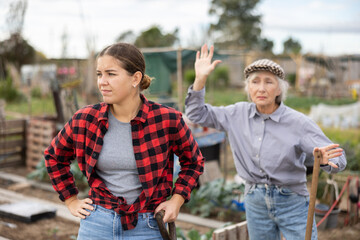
(265, 65)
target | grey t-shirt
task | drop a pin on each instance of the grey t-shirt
(116, 165)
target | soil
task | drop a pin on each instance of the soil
(60, 229)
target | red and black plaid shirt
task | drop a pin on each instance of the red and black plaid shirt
(157, 133)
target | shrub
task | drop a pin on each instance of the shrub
(216, 193)
(36, 92)
(9, 92)
(349, 140)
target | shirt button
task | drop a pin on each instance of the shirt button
(257, 155)
(94, 155)
(261, 171)
(262, 122)
(259, 139)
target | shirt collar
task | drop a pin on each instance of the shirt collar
(141, 116)
(275, 116)
(144, 110)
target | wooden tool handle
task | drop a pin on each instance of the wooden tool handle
(313, 191)
(171, 235)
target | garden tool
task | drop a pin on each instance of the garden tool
(166, 235)
(314, 185)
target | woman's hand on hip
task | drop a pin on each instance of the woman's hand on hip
(78, 207)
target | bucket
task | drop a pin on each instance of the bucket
(332, 218)
(320, 211)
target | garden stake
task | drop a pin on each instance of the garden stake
(314, 185)
(171, 235)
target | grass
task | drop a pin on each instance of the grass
(35, 107)
(303, 104)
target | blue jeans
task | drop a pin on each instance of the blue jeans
(105, 224)
(271, 210)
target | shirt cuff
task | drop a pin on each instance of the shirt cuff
(200, 92)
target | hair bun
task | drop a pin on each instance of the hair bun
(145, 82)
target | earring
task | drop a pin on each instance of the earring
(134, 85)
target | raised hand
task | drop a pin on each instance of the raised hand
(204, 66)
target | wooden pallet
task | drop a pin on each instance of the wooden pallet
(12, 142)
(39, 135)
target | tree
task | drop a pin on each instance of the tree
(15, 17)
(293, 49)
(266, 45)
(291, 46)
(16, 49)
(153, 37)
(237, 26)
(127, 36)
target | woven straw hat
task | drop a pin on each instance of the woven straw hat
(265, 65)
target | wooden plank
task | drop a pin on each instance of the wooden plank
(11, 124)
(242, 232)
(9, 151)
(13, 160)
(236, 231)
(220, 235)
(9, 155)
(40, 132)
(10, 132)
(31, 156)
(12, 143)
(231, 232)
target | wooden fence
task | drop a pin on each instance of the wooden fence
(236, 231)
(12, 142)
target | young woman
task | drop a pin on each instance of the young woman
(125, 147)
(270, 143)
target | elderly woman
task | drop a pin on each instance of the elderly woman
(270, 143)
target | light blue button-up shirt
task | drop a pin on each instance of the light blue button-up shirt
(272, 149)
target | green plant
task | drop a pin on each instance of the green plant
(220, 77)
(193, 234)
(9, 92)
(36, 92)
(215, 194)
(303, 104)
(291, 78)
(189, 77)
(40, 173)
(349, 140)
(38, 106)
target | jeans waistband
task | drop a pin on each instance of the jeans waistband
(265, 185)
(110, 211)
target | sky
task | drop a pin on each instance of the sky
(330, 27)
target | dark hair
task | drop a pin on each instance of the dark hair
(131, 58)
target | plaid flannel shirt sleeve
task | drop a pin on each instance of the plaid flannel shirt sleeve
(190, 158)
(58, 157)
